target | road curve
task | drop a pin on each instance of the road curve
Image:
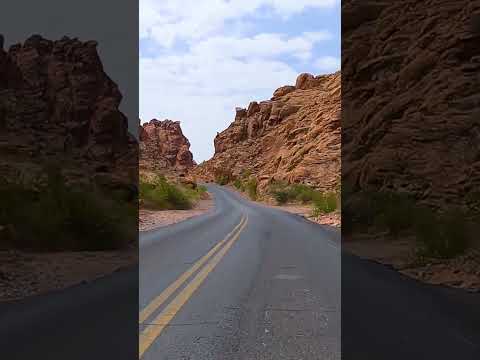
(273, 294)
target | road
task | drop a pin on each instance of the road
(274, 294)
(245, 282)
(283, 290)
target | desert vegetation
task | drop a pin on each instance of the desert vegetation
(55, 215)
(284, 193)
(157, 193)
(322, 202)
(438, 234)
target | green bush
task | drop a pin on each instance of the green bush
(281, 196)
(251, 187)
(59, 217)
(239, 184)
(441, 235)
(302, 193)
(222, 179)
(202, 189)
(161, 195)
(394, 211)
(324, 203)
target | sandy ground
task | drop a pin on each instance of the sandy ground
(462, 272)
(151, 219)
(25, 274)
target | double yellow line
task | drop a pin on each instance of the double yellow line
(211, 259)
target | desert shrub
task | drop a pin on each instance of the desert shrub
(201, 189)
(280, 192)
(281, 196)
(60, 217)
(251, 187)
(160, 194)
(222, 179)
(324, 203)
(239, 184)
(246, 174)
(283, 192)
(441, 235)
(195, 194)
(302, 193)
(223, 176)
(394, 211)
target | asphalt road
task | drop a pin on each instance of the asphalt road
(273, 294)
(283, 290)
(245, 282)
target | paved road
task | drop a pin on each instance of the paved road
(251, 283)
(274, 294)
(98, 320)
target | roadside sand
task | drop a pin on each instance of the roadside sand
(461, 272)
(24, 274)
(151, 219)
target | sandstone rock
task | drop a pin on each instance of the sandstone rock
(253, 107)
(56, 102)
(308, 81)
(164, 147)
(293, 137)
(406, 93)
(281, 91)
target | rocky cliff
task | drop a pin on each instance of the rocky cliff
(163, 147)
(294, 136)
(58, 105)
(410, 94)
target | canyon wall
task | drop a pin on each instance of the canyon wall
(411, 103)
(294, 136)
(58, 106)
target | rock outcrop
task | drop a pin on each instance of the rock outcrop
(410, 98)
(294, 136)
(58, 105)
(163, 147)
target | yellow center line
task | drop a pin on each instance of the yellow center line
(160, 299)
(151, 332)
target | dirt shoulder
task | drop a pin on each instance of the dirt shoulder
(332, 219)
(24, 274)
(461, 272)
(151, 219)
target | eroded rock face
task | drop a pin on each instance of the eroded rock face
(295, 136)
(411, 102)
(57, 102)
(164, 147)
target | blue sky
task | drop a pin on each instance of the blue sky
(199, 59)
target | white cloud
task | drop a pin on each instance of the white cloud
(202, 93)
(328, 64)
(224, 61)
(169, 20)
(261, 45)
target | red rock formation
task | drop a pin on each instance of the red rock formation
(295, 136)
(56, 102)
(164, 147)
(410, 98)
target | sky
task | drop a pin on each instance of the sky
(200, 59)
